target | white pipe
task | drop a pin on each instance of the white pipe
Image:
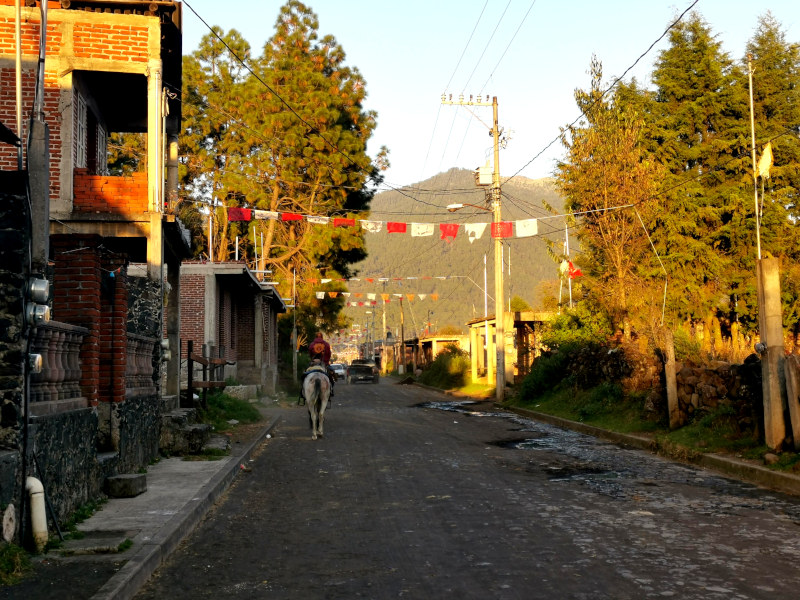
(35, 489)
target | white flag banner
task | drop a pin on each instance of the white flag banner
(320, 295)
(266, 215)
(421, 229)
(422, 296)
(326, 280)
(346, 294)
(527, 227)
(372, 226)
(370, 296)
(475, 230)
(318, 220)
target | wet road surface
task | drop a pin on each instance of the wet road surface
(409, 495)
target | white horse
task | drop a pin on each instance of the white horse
(317, 390)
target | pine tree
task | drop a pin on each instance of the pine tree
(776, 109)
(699, 127)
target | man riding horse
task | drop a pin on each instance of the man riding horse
(320, 353)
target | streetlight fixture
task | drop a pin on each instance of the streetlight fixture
(455, 207)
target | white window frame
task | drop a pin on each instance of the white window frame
(81, 125)
(102, 150)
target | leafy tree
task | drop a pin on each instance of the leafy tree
(519, 305)
(606, 168)
(287, 134)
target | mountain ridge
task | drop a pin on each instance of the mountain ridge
(453, 269)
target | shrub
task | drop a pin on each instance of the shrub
(548, 372)
(448, 370)
(578, 325)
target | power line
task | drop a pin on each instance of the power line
(609, 88)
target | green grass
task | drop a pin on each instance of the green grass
(223, 408)
(603, 406)
(14, 564)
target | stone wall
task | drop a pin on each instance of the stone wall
(65, 446)
(139, 431)
(703, 388)
(14, 244)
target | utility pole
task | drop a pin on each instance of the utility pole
(500, 345)
(500, 339)
(401, 368)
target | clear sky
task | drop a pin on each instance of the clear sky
(531, 54)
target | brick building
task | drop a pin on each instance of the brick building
(227, 310)
(106, 243)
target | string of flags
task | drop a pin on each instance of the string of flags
(447, 231)
(384, 279)
(372, 299)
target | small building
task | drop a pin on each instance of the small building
(226, 312)
(522, 344)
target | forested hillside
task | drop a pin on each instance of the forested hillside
(460, 295)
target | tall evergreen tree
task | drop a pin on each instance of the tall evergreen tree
(699, 128)
(776, 109)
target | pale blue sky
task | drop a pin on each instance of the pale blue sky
(410, 52)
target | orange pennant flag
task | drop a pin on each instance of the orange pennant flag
(434, 297)
(333, 294)
(410, 297)
(385, 297)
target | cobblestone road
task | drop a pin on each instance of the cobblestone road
(409, 496)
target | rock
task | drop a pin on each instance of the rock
(770, 458)
(126, 486)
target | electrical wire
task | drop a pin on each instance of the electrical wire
(608, 89)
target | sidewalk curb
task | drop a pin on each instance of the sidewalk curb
(127, 582)
(749, 472)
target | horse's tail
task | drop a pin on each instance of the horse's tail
(317, 393)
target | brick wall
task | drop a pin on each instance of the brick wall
(76, 300)
(91, 290)
(8, 115)
(110, 195)
(193, 293)
(116, 42)
(246, 331)
(100, 41)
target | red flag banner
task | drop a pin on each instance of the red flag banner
(236, 213)
(574, 272)
(344, 222)
(393, 227)
(448, 231)
(502, 229)
(291, 217)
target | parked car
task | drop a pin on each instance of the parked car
(362, 369)
(340, 369)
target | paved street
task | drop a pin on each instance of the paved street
(410, 496)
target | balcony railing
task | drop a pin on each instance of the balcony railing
(139, 369)
(59, 382)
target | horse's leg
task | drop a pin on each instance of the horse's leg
(322, 404)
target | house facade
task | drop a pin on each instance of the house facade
(89, 405)
(226, 312)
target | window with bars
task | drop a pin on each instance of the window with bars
(81, 125)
